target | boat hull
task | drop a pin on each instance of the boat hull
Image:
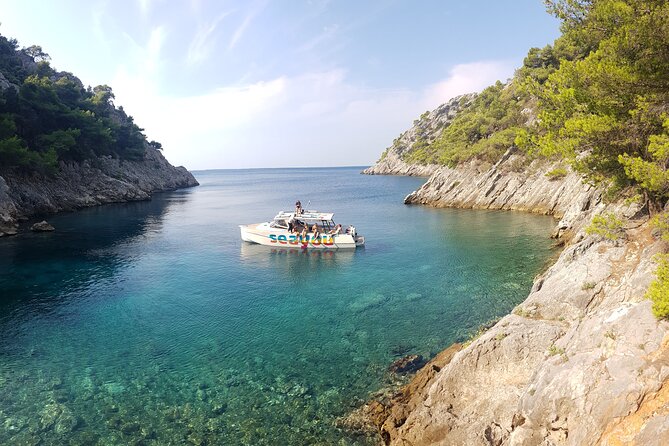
(263, 234)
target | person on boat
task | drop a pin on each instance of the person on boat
(298, 208)
(303, 235)
(336, 230)
(314, 229)
(291, 224)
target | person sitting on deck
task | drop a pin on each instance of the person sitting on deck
(314, 229)
(336, 230)
(303, 235)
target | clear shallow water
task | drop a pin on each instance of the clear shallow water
(152, 323)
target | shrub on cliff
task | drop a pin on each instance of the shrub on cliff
(596, 98)
(607, 225)
(658, 291)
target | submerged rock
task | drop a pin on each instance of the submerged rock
(42, 226)
(407, 364)
(66, 423)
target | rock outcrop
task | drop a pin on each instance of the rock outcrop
(512, 183)
(425, 129)
(92, 182)
(42, 226)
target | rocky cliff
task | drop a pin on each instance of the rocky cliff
(513, 183)
(92, 182)
(424, 130)
(581, 361)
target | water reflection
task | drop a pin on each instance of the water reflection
(294, 260)
(86, 248)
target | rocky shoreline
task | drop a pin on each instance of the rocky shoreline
(581, 361)
(90, 183)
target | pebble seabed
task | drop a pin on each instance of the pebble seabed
(157, 407)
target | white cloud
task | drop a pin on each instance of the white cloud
(202, 44)
(318, 118)
(465, 78)
(145, 6)
(240, 31)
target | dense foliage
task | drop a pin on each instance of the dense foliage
(48, 116)
(606, 111)
(484, 128)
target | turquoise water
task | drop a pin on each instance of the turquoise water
(152, 323)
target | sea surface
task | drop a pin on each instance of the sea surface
(153, 323)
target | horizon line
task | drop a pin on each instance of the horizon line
(292, 168)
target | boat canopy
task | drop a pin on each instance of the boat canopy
(306, 216)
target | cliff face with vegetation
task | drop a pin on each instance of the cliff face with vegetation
(585, 358)
(425, 131)
(64, 146)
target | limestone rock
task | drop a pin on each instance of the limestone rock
(581, 361)
(42, 226)
(510, 184)
(4, 83)
(89, 183)
(8, 210)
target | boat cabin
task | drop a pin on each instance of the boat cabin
(307, 218)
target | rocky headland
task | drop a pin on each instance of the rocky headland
(424, 130)
(82, 184)
(581, 361)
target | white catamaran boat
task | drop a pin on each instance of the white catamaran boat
(277, 233)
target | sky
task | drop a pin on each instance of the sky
(281, 83)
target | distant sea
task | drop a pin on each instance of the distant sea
(153, 323)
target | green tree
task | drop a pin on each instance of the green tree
(36, 52)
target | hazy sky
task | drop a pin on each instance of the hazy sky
(226, 84)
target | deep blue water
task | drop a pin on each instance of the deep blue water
(152, 323)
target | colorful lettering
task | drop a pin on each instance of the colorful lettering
(272, 237)
(282, 239)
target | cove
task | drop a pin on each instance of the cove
(151, 322)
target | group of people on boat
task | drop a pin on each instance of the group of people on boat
(296, 226)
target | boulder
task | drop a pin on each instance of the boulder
(42, 226)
